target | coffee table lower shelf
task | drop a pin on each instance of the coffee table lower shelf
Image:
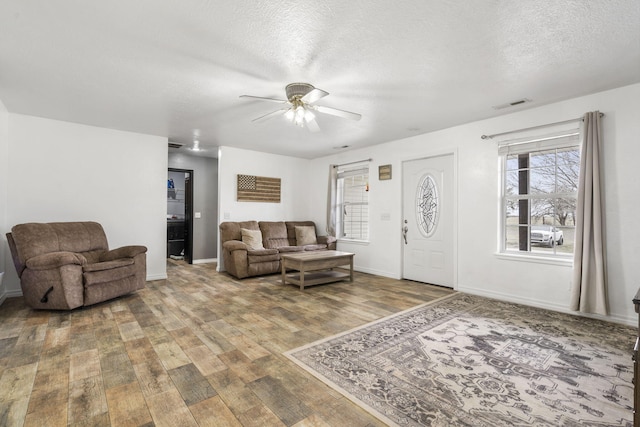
(316, 278)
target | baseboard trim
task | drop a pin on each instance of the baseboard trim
(205, 261)
(152, 277)
(10, 294)
(376, 272)
(545, 305)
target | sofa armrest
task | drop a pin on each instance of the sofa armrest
(234, 245)
(55, 260)
(330, 241)
(123, 252)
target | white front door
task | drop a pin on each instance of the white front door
(428, 210)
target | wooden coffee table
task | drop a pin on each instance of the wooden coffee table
(315, 267)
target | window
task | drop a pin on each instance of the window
(353, 203)
(540, 190)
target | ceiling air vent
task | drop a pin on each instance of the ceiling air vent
(512, 104)
(175, 144)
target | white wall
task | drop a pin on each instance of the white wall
(479, 270)
(4, 163)
(291, 170)
(60, 171)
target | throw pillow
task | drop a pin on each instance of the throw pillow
(252, 238)
(305, 235)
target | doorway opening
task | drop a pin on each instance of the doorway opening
(180, 214)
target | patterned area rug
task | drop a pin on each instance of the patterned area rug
(465, 360)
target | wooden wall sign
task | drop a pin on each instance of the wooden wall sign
(258, 189)
(384, 172)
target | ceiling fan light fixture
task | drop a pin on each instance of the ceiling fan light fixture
(308, 115)
(297, 90)
(301, 108)
(299, 117)
(290, 114)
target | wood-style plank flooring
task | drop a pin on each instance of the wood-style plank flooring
(197, 349)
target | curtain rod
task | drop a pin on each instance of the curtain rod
(534, 127)
(351, 163)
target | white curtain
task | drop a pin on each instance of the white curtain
(589, 287)
(332, 200)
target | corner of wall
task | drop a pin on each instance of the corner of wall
(3, 294)
(4, 162)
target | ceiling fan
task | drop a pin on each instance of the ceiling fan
(300, 105)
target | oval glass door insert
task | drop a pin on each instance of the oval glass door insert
(427, 204)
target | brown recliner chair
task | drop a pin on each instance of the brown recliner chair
(64, 265)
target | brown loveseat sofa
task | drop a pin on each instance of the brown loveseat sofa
(66, 265)
(244, 256)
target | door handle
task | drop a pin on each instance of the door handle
(404, 233)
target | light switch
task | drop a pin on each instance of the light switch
(227, 215)
(198, 215)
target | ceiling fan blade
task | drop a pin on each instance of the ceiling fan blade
(312, 125)
(314, 95)
(270, 115)
(339, 113)
(263, 98)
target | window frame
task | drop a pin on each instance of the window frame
(569, 139)
(342, 173)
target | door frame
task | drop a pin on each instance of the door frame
(428, 156)
(188, 214)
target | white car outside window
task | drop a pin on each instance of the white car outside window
(546, 235)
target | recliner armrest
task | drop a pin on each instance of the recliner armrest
(235, 245)
(108, 265)
(55, 260)
(123, 252)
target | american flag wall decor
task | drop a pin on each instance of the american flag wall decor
(258, 189)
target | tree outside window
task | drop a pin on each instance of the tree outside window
(540, 196)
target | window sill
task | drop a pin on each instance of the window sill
(353, 241)
(564, 262)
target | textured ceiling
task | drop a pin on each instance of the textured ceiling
(177, 69)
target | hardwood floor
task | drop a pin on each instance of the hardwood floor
(197, 349)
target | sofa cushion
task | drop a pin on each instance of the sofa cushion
(275, 243)
(110, 275)
(34, 239)
(317, 247)
(274, 234)
(284, 249)
(231, 230)
(291, 229)
(265, 255)
(305, 235)
(252, 238)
